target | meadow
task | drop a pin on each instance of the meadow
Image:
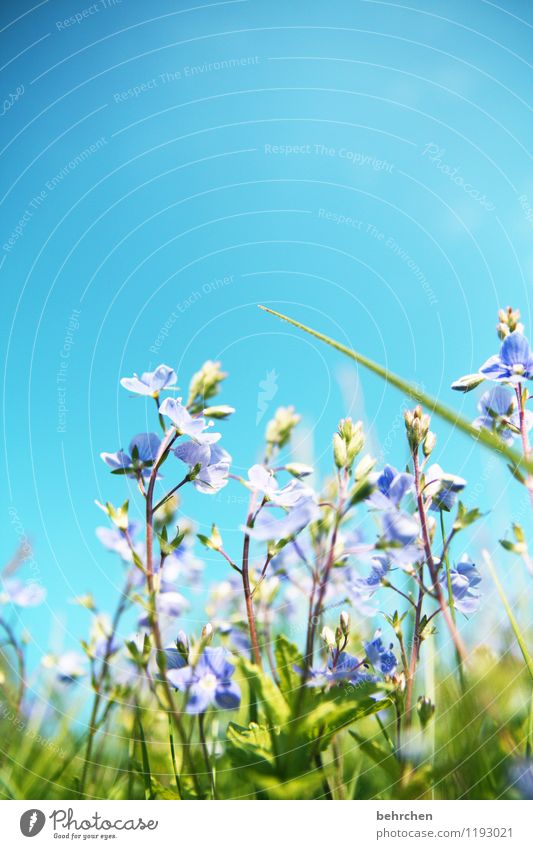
(334, 661)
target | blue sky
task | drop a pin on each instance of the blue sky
(362, 166)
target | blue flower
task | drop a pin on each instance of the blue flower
(174, 659)
(262, 480)
(150, 382)
(443, 488)
(214, 465)
(22, 593)
(145, 447)
(391, 486)
(237, 638)
(522, 775)
(401, 537)
(69, 667)
(185, 424)
(382, 659)
(268, 527)
(366, 587)
(399, 527)
(115, 541)
(498, 411)
(169, 605)
(346, 668)
(513, 364)
(208, 682)
(464, 578)
(181, 567)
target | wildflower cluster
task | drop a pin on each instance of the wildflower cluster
(290, 654)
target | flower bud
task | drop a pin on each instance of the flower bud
(205, 384)
(417, 426)
(429, 443)
(509, 322)
(299, 470)
(279, 429)
(425, 709)
(220, 412)
(340, 454)
(328, 637)
(467, 382)
(347, 442)
(344, 621)
(182, 644)
(207, 633)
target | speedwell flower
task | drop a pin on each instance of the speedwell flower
(498, 413)
(143, 450)
(69, 667)
(185, 424)
(208, 682)
(150, 382)
(464, 577)
(22, 593)
(513, 364)
(391, 486)
(268, 527)
(170, 605)
(382, 659)
(443, 488)
(344, 668)
(214, 465)
(366, 587)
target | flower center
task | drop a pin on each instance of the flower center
(209, 682)
(518, 368)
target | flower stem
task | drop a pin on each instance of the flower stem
(203, 743)
(256, 653)
(526, 448)
(20, 661)
(100, 681)
(459, 645)
(164, 448)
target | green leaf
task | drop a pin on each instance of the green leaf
(146, 772)
(340, 707)
(465, 517)
(251, 747)
(485, 437)
(383, 758)
(269, 696)
(287, 658)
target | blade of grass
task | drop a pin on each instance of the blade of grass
(485, 437)
(514, 624)
(146, 773)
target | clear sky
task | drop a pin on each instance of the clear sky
(362, 166)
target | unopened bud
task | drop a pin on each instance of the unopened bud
(429, 443)
(207, 633)
(467, 382)
(182, 644)
(220, 412)
(509, 322)
(417, 426)
(425, 709)
(344, 621)
(340, 453)
(348, 442)
(299, 470)
(328, 637)
(279, 429)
